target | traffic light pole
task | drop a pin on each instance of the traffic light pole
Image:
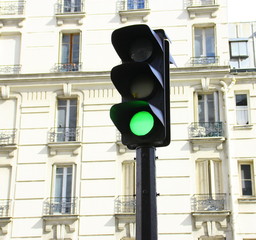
(146, 211)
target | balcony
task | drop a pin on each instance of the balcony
(60, 211)
(205, 134)
(64, 139)
(60, 206)
(11, 12)
(68, 11)
(5, 206)
(199, 7)
(8, 141)
(10, 69)
(204, 60)
(210, 208)
(125, 208)
(133, 9)
(67, 67)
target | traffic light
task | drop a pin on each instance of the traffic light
(143, 117)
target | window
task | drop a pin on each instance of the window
(204, 45)
(246, 175)
(207, 107)
(241, 109)
(238, 49)
(129, 181)
(5, 183)
(70, 52)
(66, 120)
(10, 53)
(63, 191)
(209, 179)
(72, 6)
(135, 4)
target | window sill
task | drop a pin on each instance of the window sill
(70, 17)
(243, 127)
(195, 10)
(247, 199)
(137, 13)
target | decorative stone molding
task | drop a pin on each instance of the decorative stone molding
(72, 147)
(60, 225)
(67, 89)
(9, 150)
(138, 13)
(123, 222)
(205, 142)
(70, 18)
(4, 221)
(199, 10)
(5, 92)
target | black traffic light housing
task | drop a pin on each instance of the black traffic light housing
(143, 82)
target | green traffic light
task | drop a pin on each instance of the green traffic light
(141, 123)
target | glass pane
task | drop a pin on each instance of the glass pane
(65, 53)
(198, 42)
(58, 186)
(241, 100)
(246, 171)
(243, 48)
(72, 116)
(234, 49)
(210, 43)
(247, 188)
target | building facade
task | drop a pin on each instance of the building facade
(65, 173)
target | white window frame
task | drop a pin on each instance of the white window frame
(240, 109)
(216, 106)
(251, 164)
(209, 176)
(54, 174)
(129, 178)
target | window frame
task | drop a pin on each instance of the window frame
(237, 41)
(204, 47)
(251, 164)
(239, 108)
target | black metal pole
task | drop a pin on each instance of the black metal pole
(146, 211)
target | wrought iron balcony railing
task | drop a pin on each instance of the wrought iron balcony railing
(125, 204)
(205, 129)
(12, 7)
(15, 69)
(204, 60)
(69, 7)
(208, 202)
(200, 3)
(64, 134)
(7, 136)
(67, 67)
(59, 205)
(5, 205)
(127, 5)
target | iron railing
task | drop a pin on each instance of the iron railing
(64, 134)
(10, 68)
(208, 202)
(69, 7)
(204, 60)
(205, 129)
(7, 136)
(60, 205)
(200, 3)
(5, 205)
(67, 67)
(12, 7)
(125, 204)
(127, 5)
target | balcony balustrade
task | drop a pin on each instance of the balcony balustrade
(208, 202)
(67, 67)
(196, 3)
(7, 137)
(7, 69)
(69, 7)
(60, 206)
(12, 7)
(127, 5)
(205, 129)
(5, 205)
(64, 134)
(125, 204)
(197, 61)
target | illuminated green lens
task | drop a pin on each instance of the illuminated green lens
(141, 123)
